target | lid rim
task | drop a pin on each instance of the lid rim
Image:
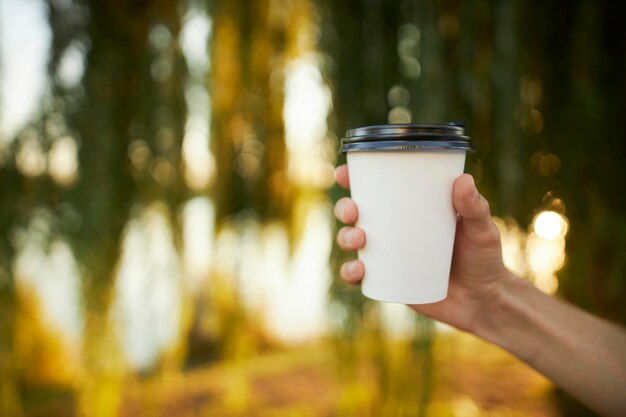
(406, 146)
(415, 136)
(407, 136)
(405, 129)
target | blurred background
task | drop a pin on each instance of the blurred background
(166, 192)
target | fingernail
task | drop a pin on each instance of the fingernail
(341, 209)
(351, 268)
(350, 236)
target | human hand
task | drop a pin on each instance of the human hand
(587, 355)
(477, 271)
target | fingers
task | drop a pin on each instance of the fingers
(352, 272)
(351, 238)
(473, 209)
(467, 201)
(341, 174)
(346, 211)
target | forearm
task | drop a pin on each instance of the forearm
(584, 355)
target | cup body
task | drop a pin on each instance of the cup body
(401, 179)
(405, 207)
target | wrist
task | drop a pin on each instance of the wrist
(506, 316)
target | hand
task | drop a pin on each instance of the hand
(477, 271)
(586, 355)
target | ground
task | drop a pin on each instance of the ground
(470, 379)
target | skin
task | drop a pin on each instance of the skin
(583, 354)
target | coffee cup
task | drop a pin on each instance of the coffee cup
(401, 179)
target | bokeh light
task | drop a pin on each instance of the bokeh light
(31, 159)
(147, 288)
(63, 161)
(539, 253)
(307, 104)
(550, 225)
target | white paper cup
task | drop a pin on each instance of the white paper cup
(402, 186)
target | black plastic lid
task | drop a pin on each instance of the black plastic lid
(407, 137)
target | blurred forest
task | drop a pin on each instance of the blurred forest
(165, 214)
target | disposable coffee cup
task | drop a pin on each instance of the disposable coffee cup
(401, 179)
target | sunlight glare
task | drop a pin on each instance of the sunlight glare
(547, 283)
(399, 320)
(226, 252)
(550, 225)
(25, 39)
(198, 219)
(72, 65)
(31, 158)
(513, 240)
(194, 38)
(198, 160)
(290, 293)
(307, 104)
(545, 256)
(303, 316)
(532, 255)
(63, 161)
(53, 273)
(148, 288)
(199, 163)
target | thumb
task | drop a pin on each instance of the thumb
(473, 210)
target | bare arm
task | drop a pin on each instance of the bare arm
(583, 354)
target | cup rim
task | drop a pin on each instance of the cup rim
(407, 137)
(407, 146)
(382, 132)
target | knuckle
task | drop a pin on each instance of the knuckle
(485, 208)
(491, 237)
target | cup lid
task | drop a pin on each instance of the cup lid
(407, 137)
